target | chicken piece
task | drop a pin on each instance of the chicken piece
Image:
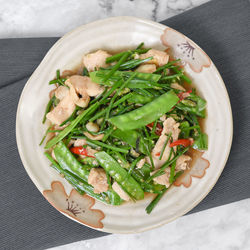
(146, 68)
(81, 88)
(163, 179)
(98, 179)
(120, 191)
(141, 163)
(160, 58)
(80, 142)
(57, 127)
(62, 111)
(183, 162)
(94, 137)
(169, 126)
(82, 101)
(95, 60)
(83, 84)
(91, 151)
(176, 85)
(67, 73)
(61, 92)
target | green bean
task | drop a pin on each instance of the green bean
(48, 107)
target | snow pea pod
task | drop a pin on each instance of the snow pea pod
(128, 183)
(130, 137)
(147, 113)
(67, 161)
(79, 184)
(141, 99)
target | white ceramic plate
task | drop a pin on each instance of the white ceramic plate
(116, 34)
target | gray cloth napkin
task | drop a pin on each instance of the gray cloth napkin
(27, 221)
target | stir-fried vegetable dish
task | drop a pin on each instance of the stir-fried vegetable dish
(123, 125)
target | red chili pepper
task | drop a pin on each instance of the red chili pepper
(183, 142)
(158, 129)
(80, 151)
(184, 95)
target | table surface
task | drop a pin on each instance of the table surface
(225, 227)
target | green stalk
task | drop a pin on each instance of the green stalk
(165, 165)
(133, 164)
(116, 67)
(155, 201)
(165, 144)
(48, 107)
(172, 170)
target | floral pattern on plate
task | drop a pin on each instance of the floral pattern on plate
(186, 50)
(77, 206)
(198, 170)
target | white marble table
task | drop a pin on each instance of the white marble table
(225, 227)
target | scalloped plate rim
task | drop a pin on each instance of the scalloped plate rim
(45, 58)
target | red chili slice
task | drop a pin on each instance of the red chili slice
(158, 129)
(183, 95)
(80, 151)
(183, 142)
